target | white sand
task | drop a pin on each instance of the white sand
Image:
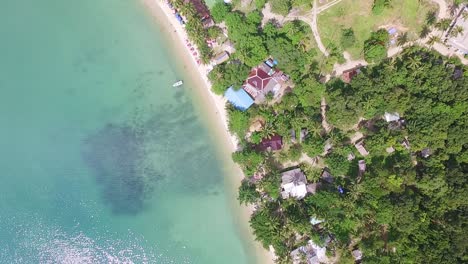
(165, 17)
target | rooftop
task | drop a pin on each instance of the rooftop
(390, 117)
(348, 75)
(361, 149)
(273, 143)
(259, 82)
(293, 183)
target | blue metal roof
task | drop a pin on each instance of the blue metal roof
(240, 98)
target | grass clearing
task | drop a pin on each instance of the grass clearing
(406, 15)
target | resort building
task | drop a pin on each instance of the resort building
(271, 144)
(259, 84)
(361, 149)
(239, 98)
(293, 183)
(265, 79)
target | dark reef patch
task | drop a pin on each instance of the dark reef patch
(165, 146)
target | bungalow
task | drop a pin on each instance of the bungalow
(326, 176)
(311, 253)
(238, 98)
(362, 166)
(315, 221)
(293, 183)
(348, 75)
(221, 57)
(425, 153)
(391, 117)
(361, 149)
(271, 144)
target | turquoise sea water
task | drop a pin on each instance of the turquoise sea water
(101, 160)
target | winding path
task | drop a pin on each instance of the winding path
(442, 9)
(309, 18)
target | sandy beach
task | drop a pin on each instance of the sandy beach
(213, 107)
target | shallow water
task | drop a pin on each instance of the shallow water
(102, 160)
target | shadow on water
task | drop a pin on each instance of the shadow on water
(167, 149)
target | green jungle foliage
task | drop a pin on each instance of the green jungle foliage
(194, 28)
(375, 48)
(404, 208)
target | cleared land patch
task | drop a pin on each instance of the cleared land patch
(403, 14)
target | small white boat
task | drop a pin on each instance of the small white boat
(177, 84)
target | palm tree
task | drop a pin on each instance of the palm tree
(431, 18)
(316, 130)
(414, 63)
(268, 131)
(402, 39)
(453, 8)
(443, 24)
(456, 31)
(424, 31)
(433, 40)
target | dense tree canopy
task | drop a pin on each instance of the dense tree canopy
(375, 48)
(227, 74)
(404, 207)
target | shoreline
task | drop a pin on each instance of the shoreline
(213, 107)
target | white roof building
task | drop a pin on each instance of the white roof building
(390, 117)
(361, 149)
(294, 184)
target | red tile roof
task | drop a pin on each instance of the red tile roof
(348, 75)
(273, 143)
(258, 79)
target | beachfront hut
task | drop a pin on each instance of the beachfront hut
(273, 143)
(240, 98)
(221, 57)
